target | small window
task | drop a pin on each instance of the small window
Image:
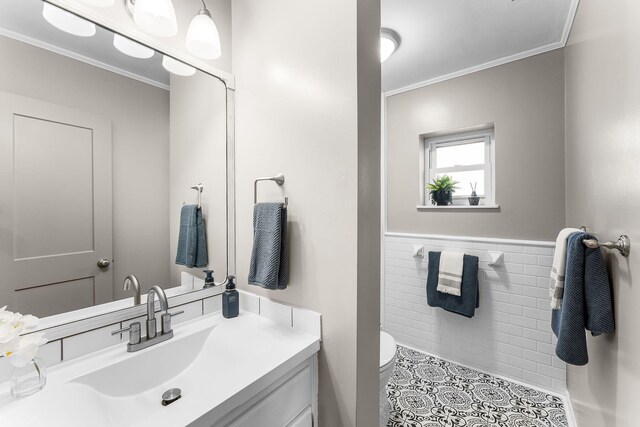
(466, 157)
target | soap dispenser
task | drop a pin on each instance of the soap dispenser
(208, 281)
(230, 299)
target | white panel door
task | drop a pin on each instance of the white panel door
(55, 207)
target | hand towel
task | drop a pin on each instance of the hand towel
(587, 302)
(450, 272)
(269, 258)
(556, 285)
(464, 305)
(192, 238)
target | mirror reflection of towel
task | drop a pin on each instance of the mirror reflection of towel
(269, 258)
(192, 240)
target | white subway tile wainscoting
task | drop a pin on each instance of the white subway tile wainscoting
(510, 334)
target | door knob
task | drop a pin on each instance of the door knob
(104, 263)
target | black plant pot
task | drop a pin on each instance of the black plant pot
(442, 197)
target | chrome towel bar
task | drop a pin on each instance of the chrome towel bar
(278, 179)
(623, 244)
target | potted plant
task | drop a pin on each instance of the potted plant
(441, 190)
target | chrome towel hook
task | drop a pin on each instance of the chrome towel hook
(278, 179)
(198, 187)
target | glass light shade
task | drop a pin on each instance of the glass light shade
(131, 48)
(387, 47)
(203, 39)
(99, 3)
(67, 21)
(176, 67)
(157, 17)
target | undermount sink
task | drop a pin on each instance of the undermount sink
(141, 372)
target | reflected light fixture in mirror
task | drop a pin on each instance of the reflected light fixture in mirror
(67, 21)
(176, 67)
(203, 39)
(131, 48)
(157, 17)
(389, 43)
(99, 3)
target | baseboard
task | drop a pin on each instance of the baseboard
(571, 416)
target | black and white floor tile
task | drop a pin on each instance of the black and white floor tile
(425, 391)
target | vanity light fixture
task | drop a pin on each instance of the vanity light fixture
(389, 43)
(157, 17)
(131, 48)
(177, 67)
(67, 21)
(203, 39)
(99, 3)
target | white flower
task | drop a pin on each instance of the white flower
(6, 316)
(19, 349)
(7, 333)
(26, 349)
(25, 323)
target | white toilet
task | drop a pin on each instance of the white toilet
(387, 363)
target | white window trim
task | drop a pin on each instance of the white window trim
(486, 135)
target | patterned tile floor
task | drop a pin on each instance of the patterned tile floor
(425, 391)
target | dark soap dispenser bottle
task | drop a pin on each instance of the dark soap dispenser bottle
(208, 281)
(230, 299)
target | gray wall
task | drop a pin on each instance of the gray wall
(308, 106)
(199, 154)
(603, 193)
(525, 102)
(140, 131)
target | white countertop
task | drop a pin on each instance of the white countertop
(237, 359)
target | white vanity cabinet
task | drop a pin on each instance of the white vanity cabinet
(290, 401)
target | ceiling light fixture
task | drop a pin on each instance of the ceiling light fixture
(389, 43)
(203, 39)
(157, 17)
(67, 21)
(131, 48)
(177, 67)
(99, 3)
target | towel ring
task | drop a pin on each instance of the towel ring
(198, 187)
(278, 179)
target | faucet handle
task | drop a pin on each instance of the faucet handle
(166, 321)
(134, 332)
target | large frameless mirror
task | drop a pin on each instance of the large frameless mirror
(107, 147)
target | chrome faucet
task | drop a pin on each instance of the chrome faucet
(136, 342)
(132, 281)
(152, 327)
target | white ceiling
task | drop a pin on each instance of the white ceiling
(446, 38)
(22, 20)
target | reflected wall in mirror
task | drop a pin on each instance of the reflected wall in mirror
(101, 139)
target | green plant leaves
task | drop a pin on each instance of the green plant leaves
(443, 183)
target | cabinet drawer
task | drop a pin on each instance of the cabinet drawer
(305, 419)
(282, 406)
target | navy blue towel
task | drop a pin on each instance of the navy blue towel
(468, 301)
(192, 238)
(587, 302)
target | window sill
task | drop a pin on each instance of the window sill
(454, 207)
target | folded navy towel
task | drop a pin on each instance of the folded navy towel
(269, 266)
(192, 238)
(468, 301)
(587, 302)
